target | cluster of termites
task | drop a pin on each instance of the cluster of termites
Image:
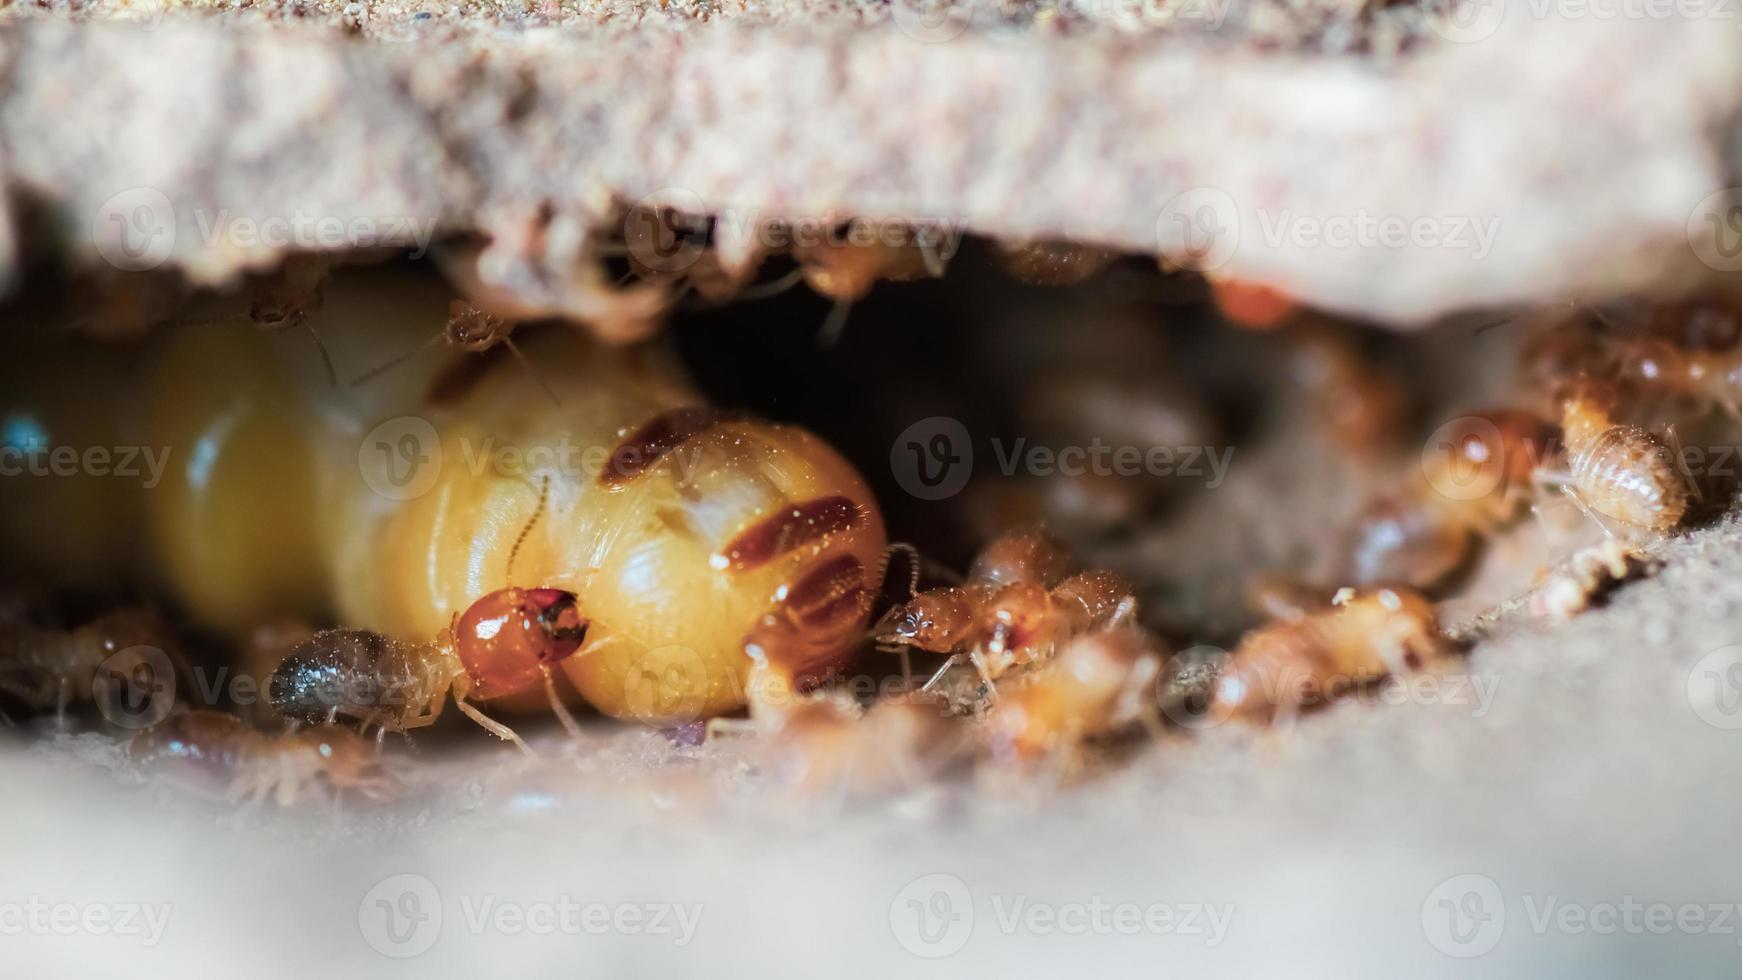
(1025, 659)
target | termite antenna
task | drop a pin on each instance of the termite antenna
(835, 326)
(531, 372)
(380, 369)
(199, 321)
(913, 561)
(1681, 463)
(750, 294)
(326, 356)
(773, 287)
(537, 512)
(1598, 315)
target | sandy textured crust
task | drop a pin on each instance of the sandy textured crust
(1588, 174)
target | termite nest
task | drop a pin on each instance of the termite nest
(875, 512)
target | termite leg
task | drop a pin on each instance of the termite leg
(1122, 612)
(906, 664)
(495, 728)
(938, 675)
(730, 728)
(1588, 512)
(561, 710)
(1543, 483)
(1681, 462)
(979, 661)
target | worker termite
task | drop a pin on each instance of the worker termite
(532, 271)
(505, 643)
(1709, 378)
(842, 262)
(1476, 476)
(1362, 406)
(1053, 263)
(1685, 351)
(1281, 668)
(211, 748)
(1589, 575)
(1616, 470)
(679, 530)
(1016, 606)
(687, 253)
(828, 747)
(1097, 685)
(469, 328)
(288, 299)
(843, 268)
(1613, 469)
(124, 661)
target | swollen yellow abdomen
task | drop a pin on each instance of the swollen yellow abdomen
(229, 530)
(394, 505)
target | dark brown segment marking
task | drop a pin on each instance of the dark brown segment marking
(824, 584)
(649, 444)
(847, 608)
(788, 529)
(830, 594)
(461, 377)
